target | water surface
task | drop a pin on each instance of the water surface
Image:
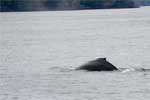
(40, 50)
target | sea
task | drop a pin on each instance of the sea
(39, 52)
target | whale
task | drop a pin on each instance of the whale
(99, 64)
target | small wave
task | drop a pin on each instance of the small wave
(125, 70)
(122, 70)
(61, 69)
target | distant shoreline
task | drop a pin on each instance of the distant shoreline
(66, 10)
(57, 5)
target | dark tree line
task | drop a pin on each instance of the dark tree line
(33, 5)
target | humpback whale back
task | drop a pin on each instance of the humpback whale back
(100, 64)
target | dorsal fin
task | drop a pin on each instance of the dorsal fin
(101, 59)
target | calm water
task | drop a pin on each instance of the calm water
(40, 50)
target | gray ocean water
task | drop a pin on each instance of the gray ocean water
(40, 50)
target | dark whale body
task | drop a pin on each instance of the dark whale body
(100, 64)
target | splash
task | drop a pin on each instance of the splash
(126, 70)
